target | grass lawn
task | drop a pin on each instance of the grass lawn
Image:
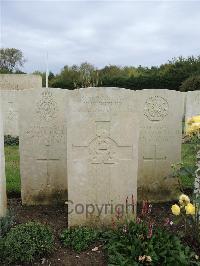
(13, 173)
(12, 169)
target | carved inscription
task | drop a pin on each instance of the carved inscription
(5, 84)
(44, 134)
(47, 107)
(11, 115)
(156, 108)
(103, 103)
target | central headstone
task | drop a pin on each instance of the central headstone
(102, 153)
(3, 199)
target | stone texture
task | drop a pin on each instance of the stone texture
(192, 105)
(43, 159)
(10, 112)
(10, 85)
(3, 199)
(161, 113)
(102, 152)
(20, 81)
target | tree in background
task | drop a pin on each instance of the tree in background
(43, 75)
(73, 77)
(11, 60)
(191, 84)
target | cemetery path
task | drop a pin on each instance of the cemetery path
(56, 218)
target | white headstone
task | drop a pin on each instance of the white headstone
(20, 81)
(43, 161)
(3, 198)
(161, 113)
(102, 153)
(192, 105)
(10, 112)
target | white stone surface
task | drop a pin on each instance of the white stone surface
(20, 81)
(102, 153)
(10, 85)
(10, 112)
(43, 161)
(192, 105)
(3, 198)
(161, 113)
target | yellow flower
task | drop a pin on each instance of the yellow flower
(175, 209)
(184, 200)
(193, 125)
(190, 209)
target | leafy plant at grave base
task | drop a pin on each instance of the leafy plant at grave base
(79, 238)
(25, 242)
(185, 175)
(5, 224)
(11, 141)
(130, 244)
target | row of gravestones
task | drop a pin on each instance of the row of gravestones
(12, 84)
(98, 147)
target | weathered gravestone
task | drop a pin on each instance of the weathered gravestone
(43, 159)
(10, 86)
(102, 153)
(161, 113)
(192, 104)
(3, 199)
(20, 81)
(10, 112)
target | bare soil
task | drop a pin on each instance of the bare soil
(56, 218)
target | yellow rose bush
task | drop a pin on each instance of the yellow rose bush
(188, 212)
(193, 126)
(185, 206)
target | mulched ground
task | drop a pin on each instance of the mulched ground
(56, 217)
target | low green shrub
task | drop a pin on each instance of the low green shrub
(79, 238)
(131, 245)
(5, 224)
(11, 141)
(25, 242)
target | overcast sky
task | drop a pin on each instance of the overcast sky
(100, 32)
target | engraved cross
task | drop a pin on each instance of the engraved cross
(48, 160)
(155, 158)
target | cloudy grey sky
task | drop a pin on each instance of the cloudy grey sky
(100, 32)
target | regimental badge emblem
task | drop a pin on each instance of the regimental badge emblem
(156, 108)
(47, 107)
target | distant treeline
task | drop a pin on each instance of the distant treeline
(178, 74)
